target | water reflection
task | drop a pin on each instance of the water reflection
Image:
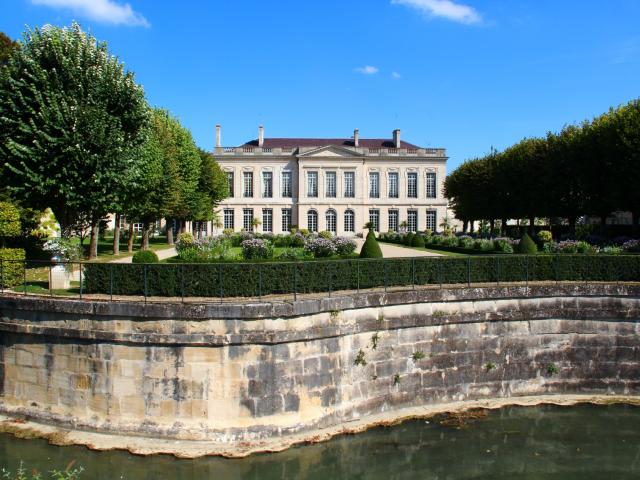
(583, 442)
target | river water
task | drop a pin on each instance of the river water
(582, 442)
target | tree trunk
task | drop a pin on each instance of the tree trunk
(634, 223)
(130, 239)
(465, 226)
(532, 230)
(572, 225)
(169, 227)
(471, 222)
(93, 243)
(503, 227)
(116, 235)
(492, 224)
(146, 230)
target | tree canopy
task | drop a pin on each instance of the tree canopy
(71, 121)
(587, 169)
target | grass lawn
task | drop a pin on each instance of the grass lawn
(105, 247)
(42, 288)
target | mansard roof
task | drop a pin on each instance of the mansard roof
(325, 142)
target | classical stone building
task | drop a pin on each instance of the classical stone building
(334, 184)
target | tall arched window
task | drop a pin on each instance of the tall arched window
(331, 219)
(349, 221)
(312, 221)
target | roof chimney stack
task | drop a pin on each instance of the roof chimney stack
(260, 136)
(218, 144)
(356, 138)
(396, 138)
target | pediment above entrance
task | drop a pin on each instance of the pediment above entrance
(330, 151)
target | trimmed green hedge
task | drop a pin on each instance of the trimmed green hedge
(11, 271)
(253, 279)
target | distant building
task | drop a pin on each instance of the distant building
(334, 184)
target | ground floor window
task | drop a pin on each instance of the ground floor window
(431, 220)
(228, 218)
(247, 219)
(331, 218)
(199, 228)
(312, 221)
(349, 221)
(412, 220)
(286, 219)
(267, 220)
(393, 220)
(374, 219)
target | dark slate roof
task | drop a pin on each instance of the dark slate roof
(324, 142)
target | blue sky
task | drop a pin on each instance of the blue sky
(461, 74)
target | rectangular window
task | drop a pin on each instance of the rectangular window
(247, 189)
(267, 184)
(267, 220)
(286, 219)
(349, 221)
(247, 219)
(393, 184)
(287, 185)
(431, 185)
(230, 183)
(350, 184)
(431, 220)
(312, 184)
(412, 185)
(374, 218)
(393, 220)
(137, 227)
(331, 184)
(374, 185)
(412, 220)
(229, 218)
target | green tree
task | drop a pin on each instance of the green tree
(370, 248)
(70, 119)
(7, 47)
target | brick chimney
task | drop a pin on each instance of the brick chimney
(356, 138)
(260, 136)
(218, 139)
(396, 138)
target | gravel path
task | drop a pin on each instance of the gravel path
(390, 250)
(162, 254)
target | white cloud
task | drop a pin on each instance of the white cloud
(367, 70)
(105, 11)
(448, 9)
(396, 75)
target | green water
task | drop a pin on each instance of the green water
(583, 442)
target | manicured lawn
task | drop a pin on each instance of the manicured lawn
(42, 288)
(105, 247)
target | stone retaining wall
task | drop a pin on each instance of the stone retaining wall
(241, 373)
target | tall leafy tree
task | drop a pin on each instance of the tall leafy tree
(70, 119)
(7, 47)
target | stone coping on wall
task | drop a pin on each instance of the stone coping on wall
(272, 324)
(280, 309)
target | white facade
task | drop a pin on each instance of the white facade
(396, 184)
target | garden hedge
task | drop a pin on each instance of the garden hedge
(11, 271)
(253, 279)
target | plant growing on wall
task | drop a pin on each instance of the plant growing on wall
(360, 360)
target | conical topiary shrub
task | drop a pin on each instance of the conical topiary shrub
(417, 241)
(527, 246)
(371, 249)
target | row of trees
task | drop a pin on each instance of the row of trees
(78, 135)
(588, 169)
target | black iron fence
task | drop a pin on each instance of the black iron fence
(262, 280)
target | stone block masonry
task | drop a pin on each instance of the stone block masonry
(232, 375)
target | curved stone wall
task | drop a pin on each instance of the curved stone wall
(231, 374)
